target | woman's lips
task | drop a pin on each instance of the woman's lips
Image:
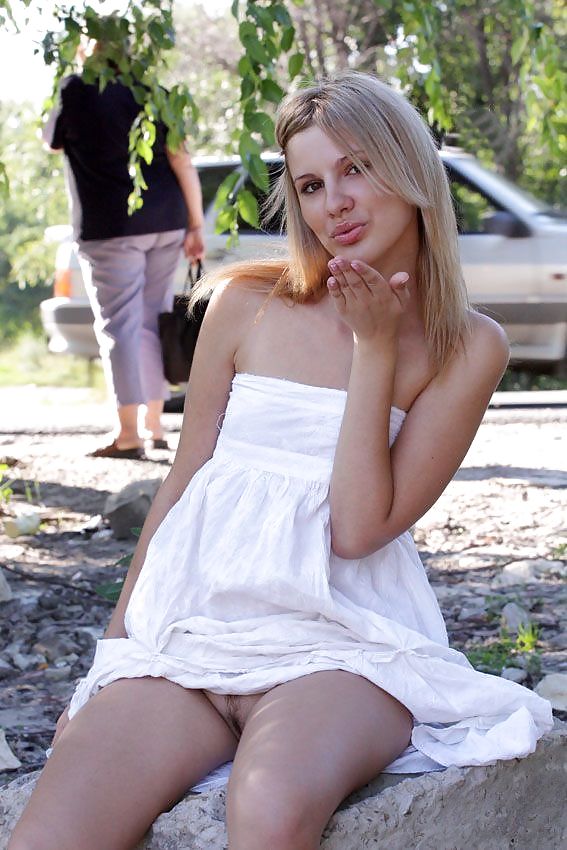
(350, 236)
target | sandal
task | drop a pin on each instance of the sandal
(136, 453)
(160, 443)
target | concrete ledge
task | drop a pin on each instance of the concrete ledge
(519, 804)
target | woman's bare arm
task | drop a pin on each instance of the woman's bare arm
(188, 179)
(377, 493)
(207, 395)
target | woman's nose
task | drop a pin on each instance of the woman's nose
(338, 202)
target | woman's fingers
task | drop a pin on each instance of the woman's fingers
(351, 283)
(398, 283)
(361, 294)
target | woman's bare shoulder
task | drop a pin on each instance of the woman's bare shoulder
(236, 299)
(473, 373)
(477, 367)
(486, 341)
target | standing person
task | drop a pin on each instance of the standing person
(128, 262)
(276, 611)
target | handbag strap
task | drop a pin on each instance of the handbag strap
(193, 276)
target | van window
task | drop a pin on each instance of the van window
(472, 207)
(211, 177)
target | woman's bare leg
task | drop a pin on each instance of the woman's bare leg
(307, 744)
(152, 419)
(129, 754)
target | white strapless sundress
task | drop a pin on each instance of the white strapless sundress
(240, 591)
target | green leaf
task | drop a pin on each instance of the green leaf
(519, 46)
(4, 182)
(247, 87)
(173, 139)
(110, 590)
(248, 207)
(248, 147)
(260, 122)
(271, 48)
(256, 51)
(145, 151)
(247, 30)
(245, 66)
(234, 9)
(288, 36)
(264, 18)
(281, 15)
(225, 189)
(258, 171)
(271, 91)
(226, 219)
(256, 121)
(295, 64)
(157, 33)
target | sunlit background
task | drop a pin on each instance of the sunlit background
(23, 75)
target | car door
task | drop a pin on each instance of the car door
(500, 268)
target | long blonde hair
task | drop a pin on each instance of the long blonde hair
(359, 112)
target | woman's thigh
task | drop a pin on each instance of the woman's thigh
(306, 746)
(128, 755)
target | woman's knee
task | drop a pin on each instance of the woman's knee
(265, 811)
(30, 836)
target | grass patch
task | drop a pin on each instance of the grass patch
(506, 651)
(28, 361)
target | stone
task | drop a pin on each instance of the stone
(58, 674)
(516, 803)
(554, 688)
(471, 612)
(445, 593)
(53, 644)
(127, 509)
(23, 661)
(25, 523)
(558, 641)
(514, 674)
(513, 617)
(5, 589)
(518, 572)
(545, 568)
(5, 669)
(8, 760)
(530, 570)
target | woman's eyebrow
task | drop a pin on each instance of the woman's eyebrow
(303, 176)
(338, 163)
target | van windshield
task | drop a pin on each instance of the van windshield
(506, 192)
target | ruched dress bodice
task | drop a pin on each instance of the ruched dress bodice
(241, 591)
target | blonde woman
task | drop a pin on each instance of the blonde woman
(276, 612)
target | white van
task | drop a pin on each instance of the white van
(513, 251)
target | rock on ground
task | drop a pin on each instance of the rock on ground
(517, 803)
(502, 515)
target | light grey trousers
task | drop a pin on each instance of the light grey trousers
(129, 281)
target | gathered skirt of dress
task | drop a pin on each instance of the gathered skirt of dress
(240, 591)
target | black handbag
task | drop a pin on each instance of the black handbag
(178, 331)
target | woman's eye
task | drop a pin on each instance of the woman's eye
(309, 188)
(354, 169)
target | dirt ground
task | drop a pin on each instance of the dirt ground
(507, 504)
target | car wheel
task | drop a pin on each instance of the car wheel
(174, 404)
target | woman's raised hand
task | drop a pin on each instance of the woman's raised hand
(369, 304)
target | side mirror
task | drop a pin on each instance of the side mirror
(503, 223)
